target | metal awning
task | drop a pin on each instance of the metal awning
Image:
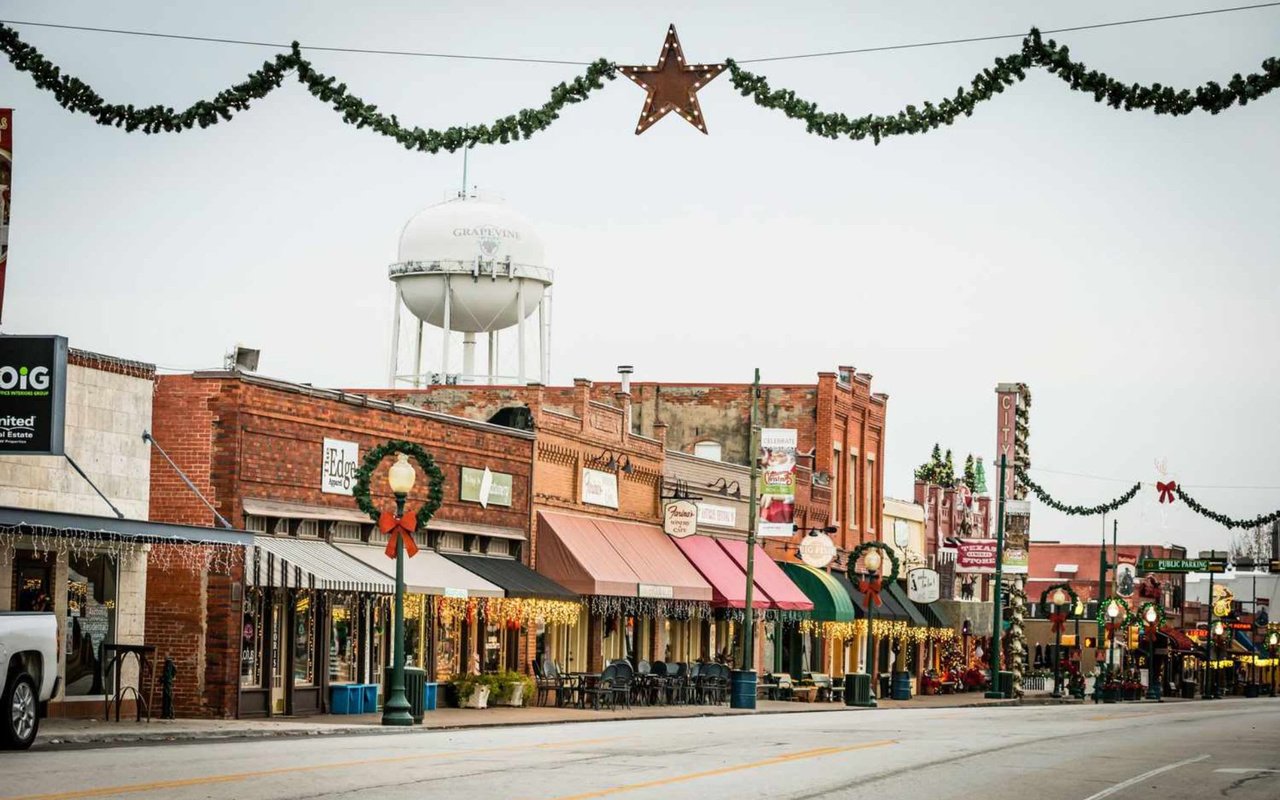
(310, 564)
(88, 526)
(514, 578)
(830, 601)
(914, 613)
(426, 573)
(476, 529)
(259, 507)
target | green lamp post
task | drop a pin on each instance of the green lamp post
(396, 710)
(1273, 647)
(1217, 631)
(1151, 613)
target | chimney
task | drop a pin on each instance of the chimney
(660, 432)
(623, 396)
(581, 398)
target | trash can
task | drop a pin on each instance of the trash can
(430, 696)
(885, 689)
(415, 685)
(742, 688)
(344, 698)
(368, 698)
(1004, 683)
(1188, 690)
(902, 686)
(857, 689)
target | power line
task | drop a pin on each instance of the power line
(996, 37)
(1128, 481)
(522, 60)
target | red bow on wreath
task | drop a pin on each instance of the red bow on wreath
(399, 528)
(871, 588)
(1057, 622)
(1166, 491)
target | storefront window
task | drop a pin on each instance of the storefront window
(448, 638)
(251, 640)
(492, 647)
(343, 626)
(304, 630)
(91, 621)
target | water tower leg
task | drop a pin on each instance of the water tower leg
(544, 334)
(468, 354)
(395, 339)
(520, 342)
(493, 357)
(448, 323)
(417, 357)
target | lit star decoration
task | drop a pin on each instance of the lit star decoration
(672, 85)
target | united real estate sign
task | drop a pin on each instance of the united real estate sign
(33, 395)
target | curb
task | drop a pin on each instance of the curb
(108, 739)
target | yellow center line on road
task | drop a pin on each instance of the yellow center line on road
(803, 754)
(179, 783)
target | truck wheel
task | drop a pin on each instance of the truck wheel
(19, 713)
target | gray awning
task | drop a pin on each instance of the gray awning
(310, 564)
(475, 528)
(276, 508)
(25, 520)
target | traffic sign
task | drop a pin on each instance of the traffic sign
(1182, 565)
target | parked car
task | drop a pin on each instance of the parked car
(29, 653)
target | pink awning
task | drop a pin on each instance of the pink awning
(655, 559)
(785, 595)
(727, 579)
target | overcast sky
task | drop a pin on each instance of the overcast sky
(1123, 265)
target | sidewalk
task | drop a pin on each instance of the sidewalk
(64, 732)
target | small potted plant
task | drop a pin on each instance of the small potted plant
(512, 689)
(472, 690)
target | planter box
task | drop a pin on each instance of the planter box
(478, 699)
(516, 699)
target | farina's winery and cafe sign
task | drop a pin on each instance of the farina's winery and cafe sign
(33, 394)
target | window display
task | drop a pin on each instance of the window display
(343, 629)
(304, 637)
(251, 640)
(91, 621)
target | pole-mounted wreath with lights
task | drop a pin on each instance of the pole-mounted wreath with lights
(435, 481)
(670, 85)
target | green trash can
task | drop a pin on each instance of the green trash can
(902, 686)
(857, 689)
(1004, 684)
(415, 689)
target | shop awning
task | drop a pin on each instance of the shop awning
(596, 556)
(783, 594)
(728, 580)
(931, 617)
(916, 617)
(891, 608)
(1244, 641)
(475, 529)
(831, 603)
(426, 573)
(1180, 640)
(515, 578)
(310, 564)
(276, 508)
(88, 526)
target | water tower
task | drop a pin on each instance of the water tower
(467, 266)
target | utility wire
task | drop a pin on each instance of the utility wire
(1124, 480)
(519, 60)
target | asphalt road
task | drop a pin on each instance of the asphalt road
(1172, 751)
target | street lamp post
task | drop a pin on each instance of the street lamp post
(872, 563)
(1273, 646)
(1113, 609)
(1059, 599)
(1216, 631)
(995, 692)
(1151, 616)
(743, 694)
(396, 710)
(1078, 690)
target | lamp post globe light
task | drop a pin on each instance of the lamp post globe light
(396, 709)
(1151, 616)
(1058, 599)
(872, 562)
(1273, 647)
(1077, 689)
(1217, 630)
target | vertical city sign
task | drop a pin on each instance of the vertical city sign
(777, 482)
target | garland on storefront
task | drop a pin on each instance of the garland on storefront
(601, 605)
(1076, 511)
(525, 611)
(1021, 439)
(1017, 638)
(1005, 72)
(198, 557)
(77, 96)
(1223, 519)
(435, 479)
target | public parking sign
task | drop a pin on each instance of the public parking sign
(1182, 565)
(33, 395)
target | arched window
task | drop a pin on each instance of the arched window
(708, 450)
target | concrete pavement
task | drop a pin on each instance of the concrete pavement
(1173, 751)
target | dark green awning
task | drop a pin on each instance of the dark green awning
(915, 617)
(515, 578)
(831, 603)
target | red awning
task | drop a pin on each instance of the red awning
(784, 594)
(727, 579)
(1180, 640)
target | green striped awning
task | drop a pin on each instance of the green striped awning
(831, 603)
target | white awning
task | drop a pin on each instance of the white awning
(310, 563)
(426, 573)
(474, 528)
(277, 508)
(1072, 568)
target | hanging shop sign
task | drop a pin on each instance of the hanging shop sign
(976, 556)
(338, 466)
(486, 487)
(777, 482)
(680, 518)
(721, 516)
(1182, 565)
(655, 591)
(6, 192)
(33, 395)
(600, 488)
(1126, 578)
(1017, 536)
(901, 533)
(923, 585)
(1223, 601)
(817, 550)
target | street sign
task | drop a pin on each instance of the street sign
(1182, 565)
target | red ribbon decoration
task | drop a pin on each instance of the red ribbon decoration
(1057, 622)
(399, 528)
(871, 588)
(1166, 491)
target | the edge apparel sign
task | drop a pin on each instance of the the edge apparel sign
(338, 469)
(33, 395)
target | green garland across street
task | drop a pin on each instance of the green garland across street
(1076, 511)
(77, 96)
(1223, 519)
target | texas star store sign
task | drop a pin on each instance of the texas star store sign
(33, 395)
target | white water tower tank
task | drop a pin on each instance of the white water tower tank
(471, 265)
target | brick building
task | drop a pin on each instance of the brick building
(308, 610)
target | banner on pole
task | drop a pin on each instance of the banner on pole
(1017, 537)
(777, 482)
(6, 193)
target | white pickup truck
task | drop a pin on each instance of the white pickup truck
(29, 654)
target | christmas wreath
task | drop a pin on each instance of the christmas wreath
(435, 479)
(1106, 621)
(1161, 619)
(872, 584)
